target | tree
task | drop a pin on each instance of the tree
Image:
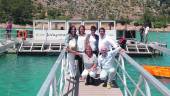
(19, 10)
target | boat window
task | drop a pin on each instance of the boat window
(76, 24)
(89, 24)
(58, 26)
(107, 25)
(41, 25)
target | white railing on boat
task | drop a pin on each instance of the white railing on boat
(141, 84)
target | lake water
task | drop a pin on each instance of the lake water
(24, 75)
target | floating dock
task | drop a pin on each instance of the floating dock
(142, 49)
(5, 45)
(39, 47)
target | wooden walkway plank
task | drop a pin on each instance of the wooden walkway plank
(93, 90)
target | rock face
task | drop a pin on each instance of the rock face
(104, 9)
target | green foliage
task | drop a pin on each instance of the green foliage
(124, 21)
(19, 10)
(138, 22)
(160, 22)
(57, 14)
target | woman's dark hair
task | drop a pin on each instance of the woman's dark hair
(101, 29)
(70, 28)
(93, 28)
(82, 27)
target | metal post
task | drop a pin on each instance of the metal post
(124, 76)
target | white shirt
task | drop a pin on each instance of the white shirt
(146, 30)
(92, 41)
(81, 43)
(108, 42)
(108, 61)
(88, 62)
(70, 42)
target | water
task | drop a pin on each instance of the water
(153, 60)
(24, 75)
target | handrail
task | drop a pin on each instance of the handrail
(51, 75)
(164, 90)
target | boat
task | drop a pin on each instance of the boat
(158, 71)
(48, 36)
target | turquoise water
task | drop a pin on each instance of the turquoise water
(23, 75)
(153, 60)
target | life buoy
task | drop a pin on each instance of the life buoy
(25, 34)
(19, 34)
(22, 34)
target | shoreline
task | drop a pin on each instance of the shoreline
(118, 27)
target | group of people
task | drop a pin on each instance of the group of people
(93, 52)
(144, 34)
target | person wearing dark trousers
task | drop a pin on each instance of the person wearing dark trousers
(8, 30)
(81, 46)
(142, 34)
(93, 40)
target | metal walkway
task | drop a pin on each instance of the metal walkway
(91, 90)
(68, 87)
(74, 87)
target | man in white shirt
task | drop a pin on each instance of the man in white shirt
(106, 63)
(106, 40)
(146, 33)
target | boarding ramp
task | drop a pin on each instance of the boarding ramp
(142, 84)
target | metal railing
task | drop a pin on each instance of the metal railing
(142, 84)
(54, 83)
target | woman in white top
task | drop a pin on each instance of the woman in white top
(90, 61)
(81, 46)
(71, 42)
